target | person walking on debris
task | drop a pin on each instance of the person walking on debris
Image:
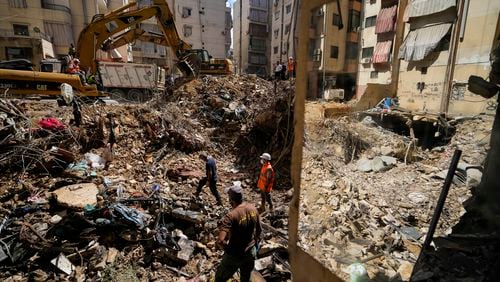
(211, 177)
(239, 236)
(266, 181)
(277, 70)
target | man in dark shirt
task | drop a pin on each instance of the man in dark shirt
(211, 177)
(239, 236)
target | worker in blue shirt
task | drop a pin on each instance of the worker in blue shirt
(210, 177)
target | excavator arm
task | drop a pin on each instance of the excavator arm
(122, 24)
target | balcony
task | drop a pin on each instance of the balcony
(58, 7)
(7, 33)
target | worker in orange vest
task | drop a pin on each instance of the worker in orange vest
(291, 67)
(266, 181)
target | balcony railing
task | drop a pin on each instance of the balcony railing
(35, 35)
(58, 7)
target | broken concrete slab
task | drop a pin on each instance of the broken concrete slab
(405, 270)
(62, 262)
(417, 197)
(389, 161)
(77, 195)
(364, 165)
(378, 164)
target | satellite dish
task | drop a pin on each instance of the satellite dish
(36, 29)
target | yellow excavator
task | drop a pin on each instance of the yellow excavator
(122, 26)
(107, 32)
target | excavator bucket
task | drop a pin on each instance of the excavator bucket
(186, 68)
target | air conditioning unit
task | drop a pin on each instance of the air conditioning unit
(366, 60)
(320, 12)
(334, 94)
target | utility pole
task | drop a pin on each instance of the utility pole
(452, 59)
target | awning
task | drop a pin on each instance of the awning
(386, 20)
(420, 42)
(428, 7)
(382, 52)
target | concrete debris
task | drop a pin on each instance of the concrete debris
(115, 201)
(385, 190)
(77, 195)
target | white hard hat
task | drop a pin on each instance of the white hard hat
(266, 156)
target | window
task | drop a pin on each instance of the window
(276, 33)
(61, 33)
(288, 8)
(277, 15)
(275, 50)
(186, 12)
(287, 28)
(257, 59)
(18, 53)
(258, 30)
(258, 15)
(336, 20)
(354, 20)
(374, 74)
(352, 51)
(311, 48)
(187, 30)
(258, 3)
(18, 4)
(257, 44)
(367, 52)
(21, 29)
(370, 21)
(334, 52)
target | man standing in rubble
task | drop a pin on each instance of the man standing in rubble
(239, 236)
(210, 177)
(266, 181)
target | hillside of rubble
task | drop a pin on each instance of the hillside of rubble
(369, 192)
(113, 199)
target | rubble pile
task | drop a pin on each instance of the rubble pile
(368, 195)
(114, 199)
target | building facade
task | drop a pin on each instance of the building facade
(251, 37)
(376, 53)
(36, 30)
(442, 43)
(227, 31)
(282, 38)
(333, 49)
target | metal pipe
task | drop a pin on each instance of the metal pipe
(323, 57)
(442, 199)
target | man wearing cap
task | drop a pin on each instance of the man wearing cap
(239, 236)
(211, 177)
(266, 181)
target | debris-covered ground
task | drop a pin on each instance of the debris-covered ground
(368, 194)
(73, 207)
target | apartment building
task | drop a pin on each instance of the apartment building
(282, 38)
(35, 30)
(333, 48)
(227, 31)
(376, 53)
(202, 23)
(251, 37)
(442, 43)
